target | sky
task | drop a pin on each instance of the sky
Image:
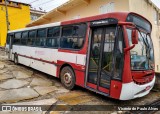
(157, 3)
(48, 5)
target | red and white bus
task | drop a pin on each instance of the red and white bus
(111, 54)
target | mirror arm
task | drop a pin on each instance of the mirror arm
(129, 48)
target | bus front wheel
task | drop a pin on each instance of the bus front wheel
(67, 78)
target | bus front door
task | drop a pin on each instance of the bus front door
(101, 59)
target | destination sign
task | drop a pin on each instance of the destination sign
(104, 22)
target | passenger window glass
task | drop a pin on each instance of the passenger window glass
(67, 31)
(41, 33)
(31, 37)
(53, 32)
(32, 34)
(24, 38)
(108, 49)
(25, 35)
(17, 38)
(17, 35)
(73, 36)
(41, 38)
(40, 42)
(74, 30)
(52, 40)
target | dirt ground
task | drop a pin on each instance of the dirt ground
(20, 85)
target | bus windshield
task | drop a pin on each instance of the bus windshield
(142, 55)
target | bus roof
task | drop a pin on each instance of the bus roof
(121, 16)
(36, 27)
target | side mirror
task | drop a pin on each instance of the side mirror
(134, 36)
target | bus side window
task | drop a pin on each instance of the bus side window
(31, 37)
(73, 36)
(17, 38)
(53, 37)
(41, 37)
(24, 38)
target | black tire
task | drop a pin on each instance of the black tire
(68, 77)
(16, 59)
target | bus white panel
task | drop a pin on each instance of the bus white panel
(24, 60)
(16, 49)
(46, 54)
(67, 57)
(81, 59)
(44, 67)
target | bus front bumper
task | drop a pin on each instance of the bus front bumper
(132, 90)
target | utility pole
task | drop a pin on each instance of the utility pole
(7, 19)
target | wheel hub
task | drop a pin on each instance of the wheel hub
(67, 78)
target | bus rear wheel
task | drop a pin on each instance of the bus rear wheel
(67, 78)
(16, 59)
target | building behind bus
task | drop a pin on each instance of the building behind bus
(18, 16)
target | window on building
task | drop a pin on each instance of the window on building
(41, 37)
(8, 3)
(15, 4)
(73, 36)
(34, 17)
(107, 8)
(17, 38)
(53, 37)
(24, 38)
(31, 37)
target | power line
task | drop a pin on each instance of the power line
(44, 3)
(33, 1)
(51, 6)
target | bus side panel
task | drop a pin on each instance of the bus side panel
(42, 59)
(80, 77)
(44, 67)
(15, 49)
(23, 60)
(115, 90)
(23, 55)
(76, 61)
(45, 60)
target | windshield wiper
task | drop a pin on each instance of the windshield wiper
(145, 40)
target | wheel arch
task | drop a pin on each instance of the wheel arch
(65, 65)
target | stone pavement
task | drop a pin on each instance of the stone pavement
(20, 85)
